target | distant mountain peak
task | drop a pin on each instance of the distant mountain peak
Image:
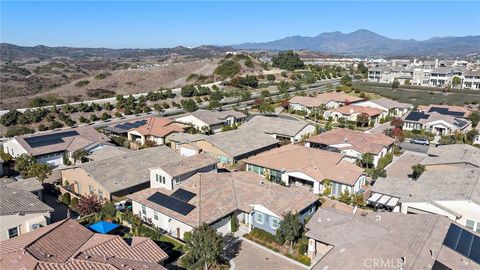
(364, 42)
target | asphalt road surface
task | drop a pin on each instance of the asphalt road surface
(414, 147)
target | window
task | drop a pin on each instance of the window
(155, 215)
(157, 178)
(12, 232)
(470, 224)
(274, 223)
(90, 189)
(160, 178)
(259, 218)
(144, 210)
(100, 193)
(478, 227)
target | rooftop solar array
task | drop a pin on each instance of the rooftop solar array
(125, 127)
(183, 195)
(171, 203)
(445, 111)
(415, 116)
(463, 242)
(49, 139)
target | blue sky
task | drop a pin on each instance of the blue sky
(167, 24)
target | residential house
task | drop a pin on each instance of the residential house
(68, 245)
(106, 152)
(352, 113)
(295, 165)
(171, 175)
(341, 240)
(57, 146)
(391, 107)
(214, 121)
(449, 187)
(457, 111)
(436, 123)
(216, 198)
(330, 100)
(21, 211)
(181, 143)
(31, 184)
(352, 144)
(284, 130)
(121, 130)
(117, 176)
(155, 131)
(471, 80)
(477, 137)
(231, 146)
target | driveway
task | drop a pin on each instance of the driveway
(252, 257)
(414, 147)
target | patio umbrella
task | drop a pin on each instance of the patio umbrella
(103, 227)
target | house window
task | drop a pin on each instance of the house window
(155, 215)
(259, 218)
(100, 193)
(144, 210)
(90, 189)
(470, 224)
(157, 178)
(12, 232)
(274, 223)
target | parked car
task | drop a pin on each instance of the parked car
(421, 141)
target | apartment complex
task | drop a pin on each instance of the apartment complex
(428, 73)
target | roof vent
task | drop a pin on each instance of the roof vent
(432, 252)
(378, 217)
(404, 259)
(49, 255)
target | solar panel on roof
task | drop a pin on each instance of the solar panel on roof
(183, 195)
(415, 116)
(49, 139)
(463, 242)
(171, 203)
(445, 111)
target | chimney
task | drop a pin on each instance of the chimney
(414, 61)
(436, 63)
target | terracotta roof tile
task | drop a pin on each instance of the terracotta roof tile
(349, 139)
(159, 127)
(324, 99)
(351, 109)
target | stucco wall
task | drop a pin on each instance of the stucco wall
(22, 222)
(80, 182)
(13, 148)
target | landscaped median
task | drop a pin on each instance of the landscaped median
(269, 241)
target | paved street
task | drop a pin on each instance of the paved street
(254, 258)
(414, 147)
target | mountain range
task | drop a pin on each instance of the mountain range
(367, 43)
(14, 52)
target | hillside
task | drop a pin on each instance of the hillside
(367, 43)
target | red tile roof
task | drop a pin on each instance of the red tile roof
(351, 109)
(349, 139)
(159, 127)
(68, 245)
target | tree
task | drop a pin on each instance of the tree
(367, 160)
(233, 223)
(376, 173)
(456, 81)
(40, 170)
(105, 116)
(346, 80)
(89, 204)
(265, 108)
(79, 155)
(418, 169)
(345, 197)
(397, 122)
(10, 118)
(93, 117)
(188, 90)
(395, 84)
(18, 130)
(470, 136)
(227, 69)
(474, 118)
(189, 105)
(363, 119)
(291, 228)
(204, 247)
(214, 104)
(158, 108)
(23, 163)
(270, 77)
(108, 210)
(288, 60)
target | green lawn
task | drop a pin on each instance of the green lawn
(172, 247)
(420, 97)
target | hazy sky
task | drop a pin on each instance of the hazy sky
(167, 24)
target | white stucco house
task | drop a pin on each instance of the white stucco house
(214, 121)
(155, 130)
(391, 107)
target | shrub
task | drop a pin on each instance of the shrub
(81, 83)
(234, 223)
(65, 198)
(384, 161)
(18, 130)
(262, 235)
(74, 202)
(270, 77)
(302, 247)
(227, 69)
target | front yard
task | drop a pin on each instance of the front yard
(269, 241)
